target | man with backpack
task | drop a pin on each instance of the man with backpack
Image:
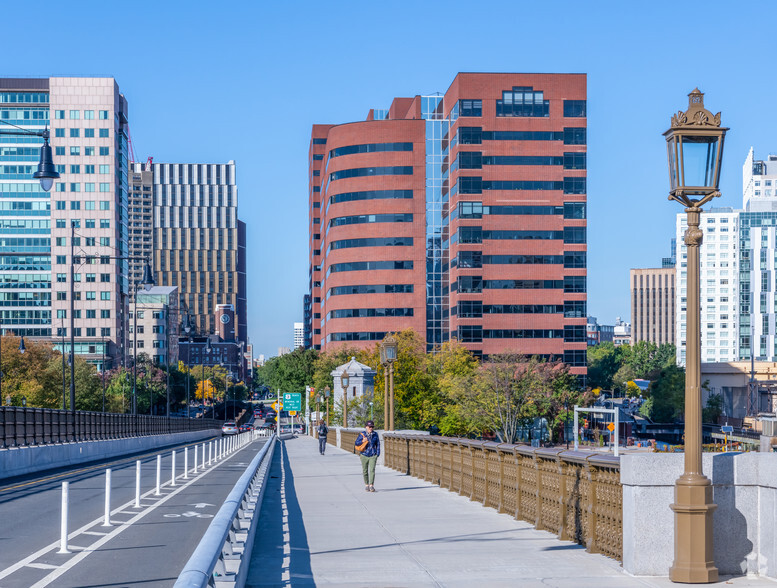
(368, 446)
(322, 433)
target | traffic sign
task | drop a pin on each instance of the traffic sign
(277, 406)
(611, 427)
(293, 412)
(727, 429)
(292, 400)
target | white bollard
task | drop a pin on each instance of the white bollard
(158, 474)
(210, 452)
(107, 518)
(195, 460)
(63, 519)
(203, 457)
(185, 463)
(172, 468)
(137, 484)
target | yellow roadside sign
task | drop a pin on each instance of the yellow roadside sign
(277, 406)
(293, 412)
(611, 427)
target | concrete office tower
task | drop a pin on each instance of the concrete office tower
(199, 241)
(653, 302)
(299, 335)
(157, 322)
(140, 221)
(89, 214)
(460, 215)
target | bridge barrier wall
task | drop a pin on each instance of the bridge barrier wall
(744, 487)
(18, 461)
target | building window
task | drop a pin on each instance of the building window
(575, 108)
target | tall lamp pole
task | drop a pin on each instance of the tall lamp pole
(694, 149)
(388, 355)
(187, 328)
(344, 380)
(327, 392)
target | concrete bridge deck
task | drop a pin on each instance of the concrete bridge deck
(319, 527)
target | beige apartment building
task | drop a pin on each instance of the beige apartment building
(652, 305)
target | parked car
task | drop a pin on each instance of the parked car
(229, 428)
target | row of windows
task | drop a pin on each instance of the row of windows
(76, 114)
(90, 332)
(476, 309)
(476, 135)
(89, 223)
(474, 284)
(368, 266)
(88, 204)
(371, 195)
(476, 160)
(371, 218)
(570, 210)
(76, 150)
(88, 241)
(88, 133)
(399, 170)
(369, 313)
(521, 103)
(91, 313)
(319, 141)
(478, 235)
(476, 333)
(24, 97)
(371, 289)
(88, 168)
(88, 187)
(475, 259)
(370, 148)
(476, 185)
(359, 336)
(371, 242)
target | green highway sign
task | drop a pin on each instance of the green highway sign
(292, 401)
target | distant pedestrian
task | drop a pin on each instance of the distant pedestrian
(369, 454)
(323, 430)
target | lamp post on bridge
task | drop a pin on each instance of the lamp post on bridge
(344, 380)
(694, 149)
(388, 355)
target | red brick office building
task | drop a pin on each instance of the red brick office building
(459, 216)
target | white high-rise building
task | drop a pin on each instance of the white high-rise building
(738, 272)
(299, 335)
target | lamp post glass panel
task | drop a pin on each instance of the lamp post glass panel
(694, 150)
(344, 379)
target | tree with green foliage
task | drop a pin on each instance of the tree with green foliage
(604, 360)
(666, 396)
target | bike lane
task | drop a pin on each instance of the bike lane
(145, 546)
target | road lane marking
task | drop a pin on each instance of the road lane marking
(42, 566)
(98, 533)
(121, 527)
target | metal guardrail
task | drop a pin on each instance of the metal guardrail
(21, 427)
(575, 494)
(219, 557)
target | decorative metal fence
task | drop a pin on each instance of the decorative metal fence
(575, 494)
(43, 426)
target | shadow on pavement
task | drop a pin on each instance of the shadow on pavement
(271, 560)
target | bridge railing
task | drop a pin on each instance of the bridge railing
(576, 495)
(43, 426)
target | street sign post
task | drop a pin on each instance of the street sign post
(292, 400)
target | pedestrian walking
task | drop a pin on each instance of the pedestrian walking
(368, 444)
(323, 430)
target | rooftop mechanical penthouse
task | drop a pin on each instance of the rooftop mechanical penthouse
(460, 215)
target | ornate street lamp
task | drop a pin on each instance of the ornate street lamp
(327, 392)
(47, 171)
(694, 149)
(388, 355)
(344, 379)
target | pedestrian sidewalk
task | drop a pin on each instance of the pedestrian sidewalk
(318, 527)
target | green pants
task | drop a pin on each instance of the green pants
(368, 468)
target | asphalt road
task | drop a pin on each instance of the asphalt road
(146, 546)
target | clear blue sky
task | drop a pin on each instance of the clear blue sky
(210, 82)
